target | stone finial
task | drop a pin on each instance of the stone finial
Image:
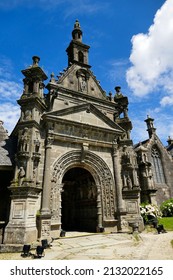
(110, 96)
(77, 32)
(150, 126)
(36, 60)
(52, 77)
(77, 24)
(170, 140)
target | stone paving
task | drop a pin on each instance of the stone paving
(112, 246)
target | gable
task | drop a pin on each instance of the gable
(86, 114)
(81, 80)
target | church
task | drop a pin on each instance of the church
(70, 163)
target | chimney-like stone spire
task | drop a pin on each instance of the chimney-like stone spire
(150, 126)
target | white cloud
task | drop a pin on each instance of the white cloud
(167, 100)
(9, 90)
(9, 114)
(161, 117)
(117, 68)
(152, 55)
(139, 132)
(163, 130)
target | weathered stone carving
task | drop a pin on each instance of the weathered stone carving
(129, 182)
(24, 140)
(27, 115)
(55, 202)
(83, 85)
(21, 175)
(45, 229)
(99, 171)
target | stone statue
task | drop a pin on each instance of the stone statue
(118, 93)
(129, 182)
(21, 175)
(83, 84)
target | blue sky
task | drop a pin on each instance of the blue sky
(131, 46)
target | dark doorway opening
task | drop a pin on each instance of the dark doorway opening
(79, 201)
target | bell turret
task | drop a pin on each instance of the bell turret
(77, 51)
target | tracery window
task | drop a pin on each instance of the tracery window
(157, 166)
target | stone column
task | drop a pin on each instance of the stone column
(60, 203)
(135, 177)
(28, 167)
(45, 209)
(118, 182)
(99, 208)
(44, 220)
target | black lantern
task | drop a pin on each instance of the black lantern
(39, 252)
(26, 250)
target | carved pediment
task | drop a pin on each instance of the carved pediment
(86, 114)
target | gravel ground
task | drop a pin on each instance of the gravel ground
(83, 246)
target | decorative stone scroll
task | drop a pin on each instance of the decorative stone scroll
(100, 172)
(45, 229)
(55, 202)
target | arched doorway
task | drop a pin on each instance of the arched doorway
(79, 203)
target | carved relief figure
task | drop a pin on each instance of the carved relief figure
(83, 84)
(129, 182)
(125, 156)
(37, 145)
(23, 142)
(21, 175)
(27, 115)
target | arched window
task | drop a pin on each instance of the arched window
(157, 166)
(80, 57)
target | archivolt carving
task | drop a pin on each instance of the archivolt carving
(100, 172)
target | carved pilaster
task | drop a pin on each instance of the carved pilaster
(55, 203)
(118, 184)
(99, 208)
(118, 181)
(46, 181)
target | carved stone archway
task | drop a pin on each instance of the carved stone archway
(103, 179)
(79, 201)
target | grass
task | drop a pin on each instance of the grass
(167, 222)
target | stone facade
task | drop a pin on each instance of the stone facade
(75, 164)
(155, 167)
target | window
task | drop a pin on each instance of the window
(80, 57)
(157, 166)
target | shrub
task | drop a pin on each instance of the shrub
(167, 208)
(150, 212)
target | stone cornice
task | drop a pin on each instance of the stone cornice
(32, 99)
(90, 108)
